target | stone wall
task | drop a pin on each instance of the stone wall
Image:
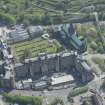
(84, 71)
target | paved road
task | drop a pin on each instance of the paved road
(48, 96)
(63, 93)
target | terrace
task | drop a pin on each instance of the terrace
(35, 46)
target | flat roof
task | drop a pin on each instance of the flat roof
(40, 83)
(61, 79)
(27, 81)
(7, 75)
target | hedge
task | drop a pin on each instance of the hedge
(23, 99)
(78, 91)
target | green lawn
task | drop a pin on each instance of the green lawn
(35, 46)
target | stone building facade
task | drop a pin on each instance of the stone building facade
(46, 64)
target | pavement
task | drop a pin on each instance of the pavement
(1, 101)
(47, 96)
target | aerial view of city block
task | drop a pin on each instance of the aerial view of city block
(52, 52)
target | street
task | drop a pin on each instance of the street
(48, 96)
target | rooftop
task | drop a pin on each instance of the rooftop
(7, 75)
(61, 79)
(40, 83)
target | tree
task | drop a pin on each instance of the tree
(7, 18)
(36, 101)
(78, 29)
(57, 101)
(100, 48)
(91, 32)
(70, 99)
(27, 3)
(27, 53)
(26, 22)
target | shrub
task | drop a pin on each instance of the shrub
(93, 45)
